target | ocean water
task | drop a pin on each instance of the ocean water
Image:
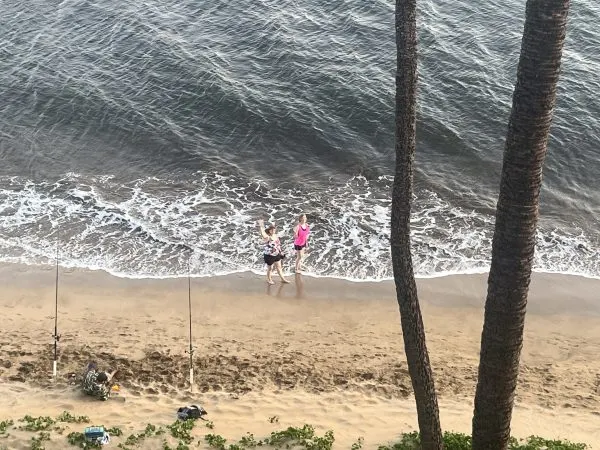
(143, 135)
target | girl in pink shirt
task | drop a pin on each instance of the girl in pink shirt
(301, 232)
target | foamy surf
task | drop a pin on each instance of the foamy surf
(153, 227)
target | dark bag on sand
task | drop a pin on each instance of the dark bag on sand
(191, 412)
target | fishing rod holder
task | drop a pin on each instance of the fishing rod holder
(191, 353)
(56, 338)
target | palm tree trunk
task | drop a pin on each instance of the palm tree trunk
(516, 221)
(406, 289)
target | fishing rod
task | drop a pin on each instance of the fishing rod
(56, 336)
(191, 350)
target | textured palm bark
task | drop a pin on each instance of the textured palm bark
(516, 220)
(406, 289)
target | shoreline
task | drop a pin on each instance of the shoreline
(254, 272)
(333, 346)
(465, 290)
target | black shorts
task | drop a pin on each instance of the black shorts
(270, 259)
(299, 247)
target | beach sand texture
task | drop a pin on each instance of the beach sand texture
(320, 351)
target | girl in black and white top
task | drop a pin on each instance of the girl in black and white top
(272, 251)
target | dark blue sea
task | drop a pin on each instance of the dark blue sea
(146, 134)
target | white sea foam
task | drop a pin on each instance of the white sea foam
(150, 227)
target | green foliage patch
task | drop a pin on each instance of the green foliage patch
(461, 441)
(181, 430)
(41, 423)
(5, 425)
(67, 417)
(134, 440)
(291, 437)
(303, 437)
(37, 442)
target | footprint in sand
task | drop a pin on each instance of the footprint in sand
(135, 392)
(18, 389)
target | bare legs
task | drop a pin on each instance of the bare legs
(278, 267)
(269, 274)
(280, 272)
(299, 258)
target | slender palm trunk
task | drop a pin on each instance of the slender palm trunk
(406, 289)
(516, 221)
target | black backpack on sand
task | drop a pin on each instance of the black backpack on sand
(191, 412)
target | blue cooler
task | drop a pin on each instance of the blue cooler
(94, 434)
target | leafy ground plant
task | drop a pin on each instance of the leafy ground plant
(180, 429)
(37, 442)
(460, 441)
(5, 425)
(248, 441)
(180, 446)
(114, 431)
(67, 417)
(536, 442)
(37, 423)
(292, 437)
(358, 444)
(215, 441)
(302, 437)
(136, 439)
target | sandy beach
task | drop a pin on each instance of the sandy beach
(319, 351)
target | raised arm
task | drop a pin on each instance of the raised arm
(261, 228)
(111, 375)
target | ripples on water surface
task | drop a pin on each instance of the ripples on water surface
(153, 131)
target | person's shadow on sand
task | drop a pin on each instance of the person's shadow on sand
(278, 291)
(271, 290)
(299, 286)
